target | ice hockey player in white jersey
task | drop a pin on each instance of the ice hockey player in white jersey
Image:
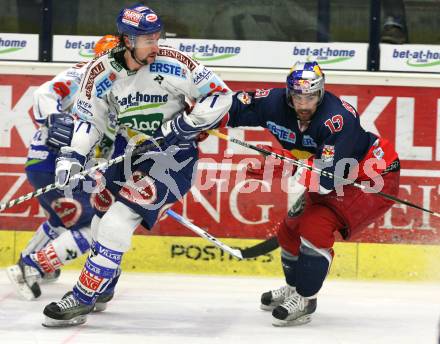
(150, 89)
(65, 235)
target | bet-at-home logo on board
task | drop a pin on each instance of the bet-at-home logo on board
(18, 47)
(74, 48)
(414, 58)
(324, 55)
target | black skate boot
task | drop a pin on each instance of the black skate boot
(66, 312)
(107, 295)
(102, 300)
(295, 310)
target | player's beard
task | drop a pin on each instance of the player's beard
(144, 61)
(304, 115)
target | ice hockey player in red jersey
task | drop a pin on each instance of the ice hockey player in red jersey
(305, 117)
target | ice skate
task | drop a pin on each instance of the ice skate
(51, 276)
(102, 300)
(66, 312)
(25, 280)
(295, 310)
(273, 298)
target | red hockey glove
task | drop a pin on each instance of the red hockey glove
(280, 167)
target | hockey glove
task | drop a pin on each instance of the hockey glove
(68, 164)
(60, 130)
(280, 167)
(180, 133)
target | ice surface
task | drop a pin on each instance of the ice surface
(165, 309)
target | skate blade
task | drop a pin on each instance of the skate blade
(20, 286)
(267, 307)
(79, 320)
(99, 307)
(296, 322)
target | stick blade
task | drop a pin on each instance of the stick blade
(260, 249)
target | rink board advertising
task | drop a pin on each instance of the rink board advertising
(17, 46)
(410, 58)
(408, 116)
(229, 53)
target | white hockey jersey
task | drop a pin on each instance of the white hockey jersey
(58, 94)
(143, 100)
(54, 96)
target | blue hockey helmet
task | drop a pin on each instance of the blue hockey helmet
(306, 78)
(138, 20)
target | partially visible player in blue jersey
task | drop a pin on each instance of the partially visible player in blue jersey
(66, 233)
(307, 119)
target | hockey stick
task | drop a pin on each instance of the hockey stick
(84, 173)
(319, 171)
(250, 252)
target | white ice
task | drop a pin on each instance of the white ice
(165, 309)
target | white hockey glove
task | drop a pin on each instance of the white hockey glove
(68, 164)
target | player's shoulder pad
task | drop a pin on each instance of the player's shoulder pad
(100, 75)
(334, 105)
(75, 73)
(166, 52)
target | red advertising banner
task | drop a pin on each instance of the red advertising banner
(408, 116)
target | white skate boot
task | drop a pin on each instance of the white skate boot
(295, 310)
(25, 279)
(273, 298)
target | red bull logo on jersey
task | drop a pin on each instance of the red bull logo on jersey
(328, 153)
(244, 98)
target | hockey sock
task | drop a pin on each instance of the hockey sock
(312, 269)
(67, 247)
(289, 263)
(112, 285)
(45, 233)
(97, 274)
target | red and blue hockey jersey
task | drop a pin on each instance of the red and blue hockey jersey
(334, 135)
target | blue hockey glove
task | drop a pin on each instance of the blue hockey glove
(60, 130)
(181, 131)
